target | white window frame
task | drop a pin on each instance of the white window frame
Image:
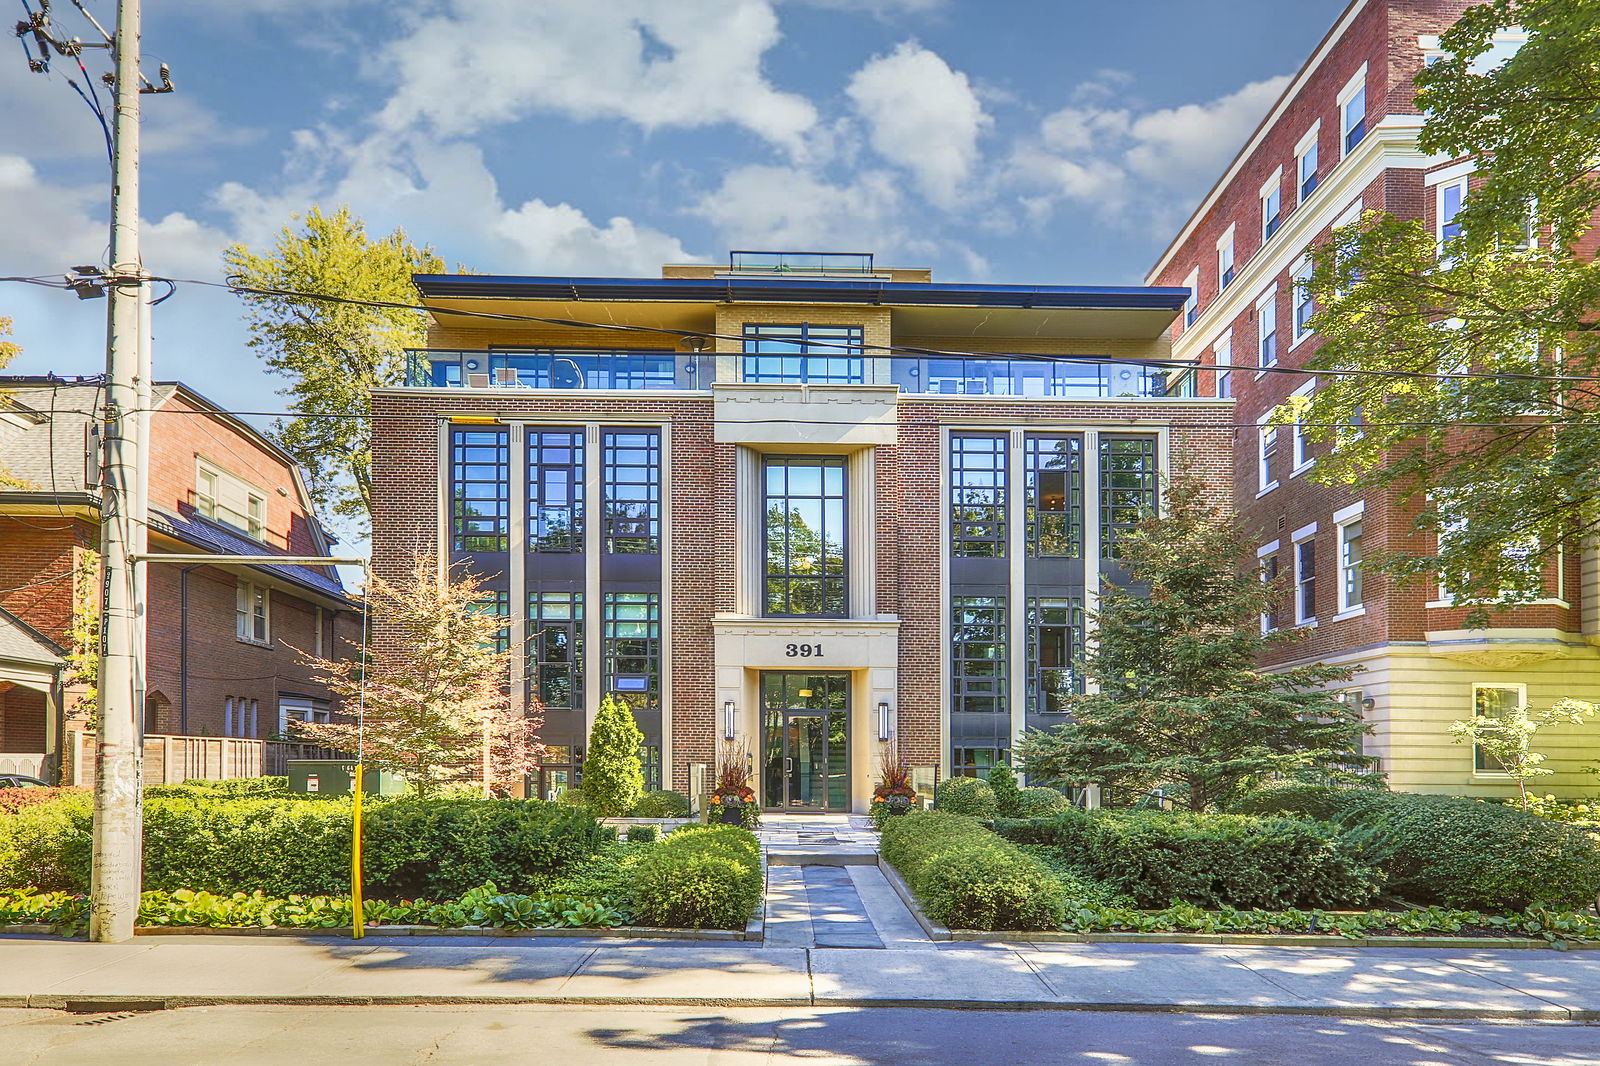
(1299, 461)
(1265, 482)
(1227, 265)
(245, 614)
(1357, 85)
(1308, 147)
(1266, 312)
(1191, 306)
(1272, 205)
(1222, 359)
(1304, 536)
(207, 487)
(1343, 519)
(1350, 216)
(1265, 552)
(255, 510)
(302, 709)
(1522, 702)
(1299, 296)
(1440, 192)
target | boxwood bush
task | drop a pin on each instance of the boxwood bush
(1456, 852)
(965, 795)
(700, 876)
(663, 803)
(967, 877)
(1036, 800)
(1211, 860)
(438, 847)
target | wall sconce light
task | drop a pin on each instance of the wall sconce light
(727, 719)
(883, 720)
(1368, 703)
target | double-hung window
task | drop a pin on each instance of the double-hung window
(1191, 303)
(1299, 457)
(1305, 162)
(1352, 592)
(1304, 306)
(1493, 702)
(1353, 111)
(252, 613)
(1267, 329)
(1222, 358)
(1225, 260)
(1448, 198)
(1272, 205)
(1267, 560)
(1266, 455)
(1305, 575)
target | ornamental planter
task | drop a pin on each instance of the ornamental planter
(732, 811)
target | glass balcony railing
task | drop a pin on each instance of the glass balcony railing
(828, 264)
(548, 368)
(1029, 377)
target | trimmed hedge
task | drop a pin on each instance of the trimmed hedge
(664, 803)
(968, 878)
(438, 847)
(1456, 852)
(965, 795)
(1036, 801)
(15, 799)
(1211, 860)
(700, 876)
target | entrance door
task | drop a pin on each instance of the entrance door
(805, 725)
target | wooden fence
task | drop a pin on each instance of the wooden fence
(169, 760)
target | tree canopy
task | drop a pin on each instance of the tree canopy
(332, 353)
(1459, 374)
(1180, 698)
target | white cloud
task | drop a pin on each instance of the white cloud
(922, 116)
(687, 63)
(877, 8)
(1144, 167)
(787, 207)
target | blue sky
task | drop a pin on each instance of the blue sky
(1047, 141)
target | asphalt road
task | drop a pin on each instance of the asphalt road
(663, 1036)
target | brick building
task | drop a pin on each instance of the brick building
(789, 532)
(1339, 141)
(220, 637)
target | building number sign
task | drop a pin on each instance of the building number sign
(803, 651)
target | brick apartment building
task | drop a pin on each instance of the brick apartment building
(788, 533)
(219, 637)
(1342, 140)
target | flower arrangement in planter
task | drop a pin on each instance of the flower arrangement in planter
(733, 801)
(894, 794)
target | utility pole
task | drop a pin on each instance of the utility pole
(118, 793)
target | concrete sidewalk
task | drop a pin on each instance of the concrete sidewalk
(158, 972)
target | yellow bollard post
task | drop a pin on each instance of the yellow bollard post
(358, 921)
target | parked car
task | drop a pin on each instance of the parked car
(20, 781)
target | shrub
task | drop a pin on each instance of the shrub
(1457, 852)
(613, 777)
(965, 795)
(661, 804)
(642, 834)
(967, 877)
(1319, 802)
(573, 797)
(1007, 793)
(1211, 860)
(699, 876)
(15, 799)
(444, 847)
(47, 845)
(1036, 800)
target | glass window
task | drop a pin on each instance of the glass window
(1493, 701)
(1354, 112)
(631, 631)
(1266, 455)
(977, 762)
(585, 369)
(205, 492)
(555, 490)
(818, 355)
(1305, 581)
(256, 517)
(1448, 202)
(1304, 307)
(1351, 593)
(978, 659)
(1055, 643)
(630, 521)
(555, 646)
(1191, 303)
(1053, 496)
(650, 763)
(251, 607)
(1225, 265)
(1222, 356)
(805, 536)
(1271, 212)
(1269, 575)
(1267, 331)
(498, 605)
(480, 490)
(1128, 487)
(978, 495)
(1306, 167)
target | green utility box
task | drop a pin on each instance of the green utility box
(335, 777)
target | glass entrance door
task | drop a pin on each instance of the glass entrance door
(805, 741)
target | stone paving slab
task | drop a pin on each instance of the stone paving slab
(1571, 979)
(1200, 978)
(843, 976)
(838, 917)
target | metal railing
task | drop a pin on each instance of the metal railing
(554, 368)
(1030, 377)
(827, 264)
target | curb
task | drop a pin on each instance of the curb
(753, 931)
(97, 1004)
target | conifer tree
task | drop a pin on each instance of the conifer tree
(613, 778)
(1181, 700)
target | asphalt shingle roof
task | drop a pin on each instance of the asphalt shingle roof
(20, 642)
